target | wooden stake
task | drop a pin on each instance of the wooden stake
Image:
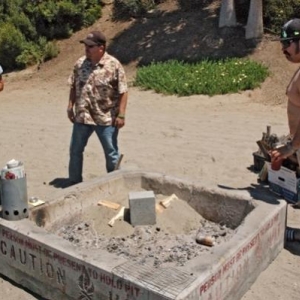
(268, 131)
(166, 202)
(158, 208)
(119, 215)
(109, 204)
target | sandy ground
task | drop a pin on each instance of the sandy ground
(208, 139)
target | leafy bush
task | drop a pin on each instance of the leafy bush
(59, 19)
(12, 44)
(34, 24)
(37, 52)
(206, 77)
(30, 55)
(50, 50)
(90, 15)
(22, 22)
(277, 12)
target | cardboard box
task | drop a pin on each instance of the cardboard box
(285, 183)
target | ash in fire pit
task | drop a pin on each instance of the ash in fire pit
(171, 242)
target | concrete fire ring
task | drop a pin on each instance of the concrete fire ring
(54, 268)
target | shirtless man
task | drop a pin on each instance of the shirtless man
(1, 80)
(290, 41)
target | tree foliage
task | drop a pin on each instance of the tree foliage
(29, 28)
(277, 12)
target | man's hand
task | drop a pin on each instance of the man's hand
(71, 114)
(282, 151)
(119, 122)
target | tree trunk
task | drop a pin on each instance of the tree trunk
(255, 27)
(227, 14)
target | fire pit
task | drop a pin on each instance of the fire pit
(67, 250)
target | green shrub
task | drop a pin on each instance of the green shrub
(90, 15)
(49, 19)
(28, 27)
(59, 19)
(50, 50)
(31, 54)
(12, 43)
(36, 53)
(22, 22)
(206, 77)
(277, 12)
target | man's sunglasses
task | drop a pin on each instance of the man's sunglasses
(92, 46)
(287, 43)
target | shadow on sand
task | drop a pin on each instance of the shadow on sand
(61, 183)
(186, 36)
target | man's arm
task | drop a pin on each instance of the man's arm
(123, 103)
(293, 112)
(1, 80)
(72, 98)
(120, 120)
(1, 83)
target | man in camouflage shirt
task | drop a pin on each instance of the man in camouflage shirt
(97, 102)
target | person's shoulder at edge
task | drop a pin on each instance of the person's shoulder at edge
(1, 81)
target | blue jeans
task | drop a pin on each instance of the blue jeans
(108, 136)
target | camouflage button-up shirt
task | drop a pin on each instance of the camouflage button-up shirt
(98, 89)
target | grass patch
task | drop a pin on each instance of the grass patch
(207, 77)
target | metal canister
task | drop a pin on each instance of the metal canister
(13, 170)
(14, 191)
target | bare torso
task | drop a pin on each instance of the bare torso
(293, 108)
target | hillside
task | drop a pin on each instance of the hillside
(169, 33)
